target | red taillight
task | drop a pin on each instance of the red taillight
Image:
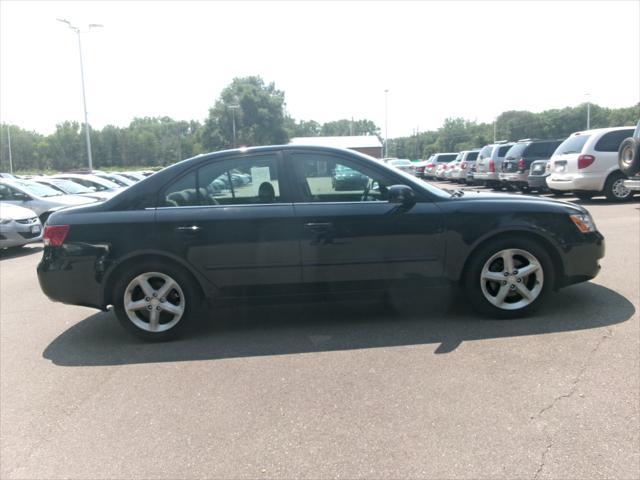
(464, 165)
(521, 165)
(444, 167)
(492, 166)
(54, 235)
(430, 165)
(585, 160)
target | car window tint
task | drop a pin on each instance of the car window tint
(536, 149)
(325, 178)
(447, 158)
(472, 156)
(242, 181)
(182, 192)
(610, 142)
(573, 144)
(502, 151)
(5, 193)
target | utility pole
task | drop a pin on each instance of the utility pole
(233, 113)
(494, 131)
(588, 111)
(9, 143)
(386, 123)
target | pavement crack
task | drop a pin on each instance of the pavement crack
(544, 456)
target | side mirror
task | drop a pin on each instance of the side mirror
(403, 195)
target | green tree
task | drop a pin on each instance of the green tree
(259, 118)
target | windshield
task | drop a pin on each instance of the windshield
(573, 144)
(71, 187)
(113, 179)
(38, 190)
(485, 152)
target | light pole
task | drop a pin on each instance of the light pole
(386, 123)
(233, 109)
(9, 144)
(588, 111)
(84, 96)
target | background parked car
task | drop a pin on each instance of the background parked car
(403, 164)
(489, 164)
(119, 180)
(432, 162)
(586, 164)
(41, 199)
(18, 226)
(467, 163)
(517, 163)
(629, 159)
(72, 188)
(538, 174)
(91, 181)
(344, 178)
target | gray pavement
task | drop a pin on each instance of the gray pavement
(331, 390)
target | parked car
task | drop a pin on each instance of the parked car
(18, 226)
(586, 164)
(403, 164)
(41, 199)
(441, 170)
(629, 159)
(71, 188)
(426, 169)
(467, 162)
(154, 261)
(538, 173)
(517, 163)
(91, 181)
(119, 180)
(452, 167)
(489, 164)
(344, 178)
(7, 175)
(133, 176)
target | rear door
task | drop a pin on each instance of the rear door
(356, 234)
(233, 220)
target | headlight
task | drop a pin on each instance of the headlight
(584, 222)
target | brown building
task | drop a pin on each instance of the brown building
(367, 144)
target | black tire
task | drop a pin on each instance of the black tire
(629, 156)
(614, 189)
(190, 299)
(472, 279)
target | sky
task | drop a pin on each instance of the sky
(332, 59)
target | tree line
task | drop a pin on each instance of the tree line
(251, 112)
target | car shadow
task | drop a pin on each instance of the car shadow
(17, 252)
(283, 329)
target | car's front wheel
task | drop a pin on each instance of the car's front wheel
(509, 277)
(155, 302)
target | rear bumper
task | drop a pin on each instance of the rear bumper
(514, 177)
(486, 176)
(632, 184)
(576, 181)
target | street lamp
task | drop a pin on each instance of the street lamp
(84, 97)
(233, 109)
(386, 123)
(588, 111)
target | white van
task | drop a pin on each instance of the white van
(586, 164)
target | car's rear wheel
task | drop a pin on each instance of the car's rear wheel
(629, 156)
(614, 188)
(509, 277)
(155, 302)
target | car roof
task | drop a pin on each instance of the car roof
(601, 130)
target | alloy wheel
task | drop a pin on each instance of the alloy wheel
(512, 279)
(154, 302)
(619, 190)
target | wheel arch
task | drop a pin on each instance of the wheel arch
(544, 242)
(111, 277)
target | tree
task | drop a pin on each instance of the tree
(259, 118)
(344, 127)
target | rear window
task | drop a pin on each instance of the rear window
(516, 150)
(573, 144)
(610, 142)
(502, 151)
(472, 156)
(540, 149)
(446, 158)
(486, 151)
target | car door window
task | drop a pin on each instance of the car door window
(324, 178)
(610, 142)
(244, 181)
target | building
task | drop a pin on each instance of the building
(367, 144)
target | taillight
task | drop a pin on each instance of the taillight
(444, 167)
(464, 165)
(585, 160)
(54, 235)
(492, 166)
(521, 165)
(430, 165)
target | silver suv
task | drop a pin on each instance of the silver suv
(489, 164)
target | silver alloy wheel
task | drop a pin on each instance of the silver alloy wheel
(154, 302)
(512, 279)
(619, 190)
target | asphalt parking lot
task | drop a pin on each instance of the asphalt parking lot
(331, 390)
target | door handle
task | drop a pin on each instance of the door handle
(318, 226)
(188, 229)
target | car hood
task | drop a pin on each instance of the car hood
(7, 210)
(506, 198)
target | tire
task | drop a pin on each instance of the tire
(490, 260)
(629, 156)
(584, 195)
(614, 189)
(183, 299)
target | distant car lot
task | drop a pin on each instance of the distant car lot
(326, 389)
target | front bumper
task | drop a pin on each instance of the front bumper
(16, 234)
(537, 181)
(581, 260)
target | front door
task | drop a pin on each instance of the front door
(231, 220)
(349, 230)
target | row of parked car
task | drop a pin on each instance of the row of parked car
(27, 201)
(585, 164)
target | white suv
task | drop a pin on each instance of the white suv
(586, 164)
